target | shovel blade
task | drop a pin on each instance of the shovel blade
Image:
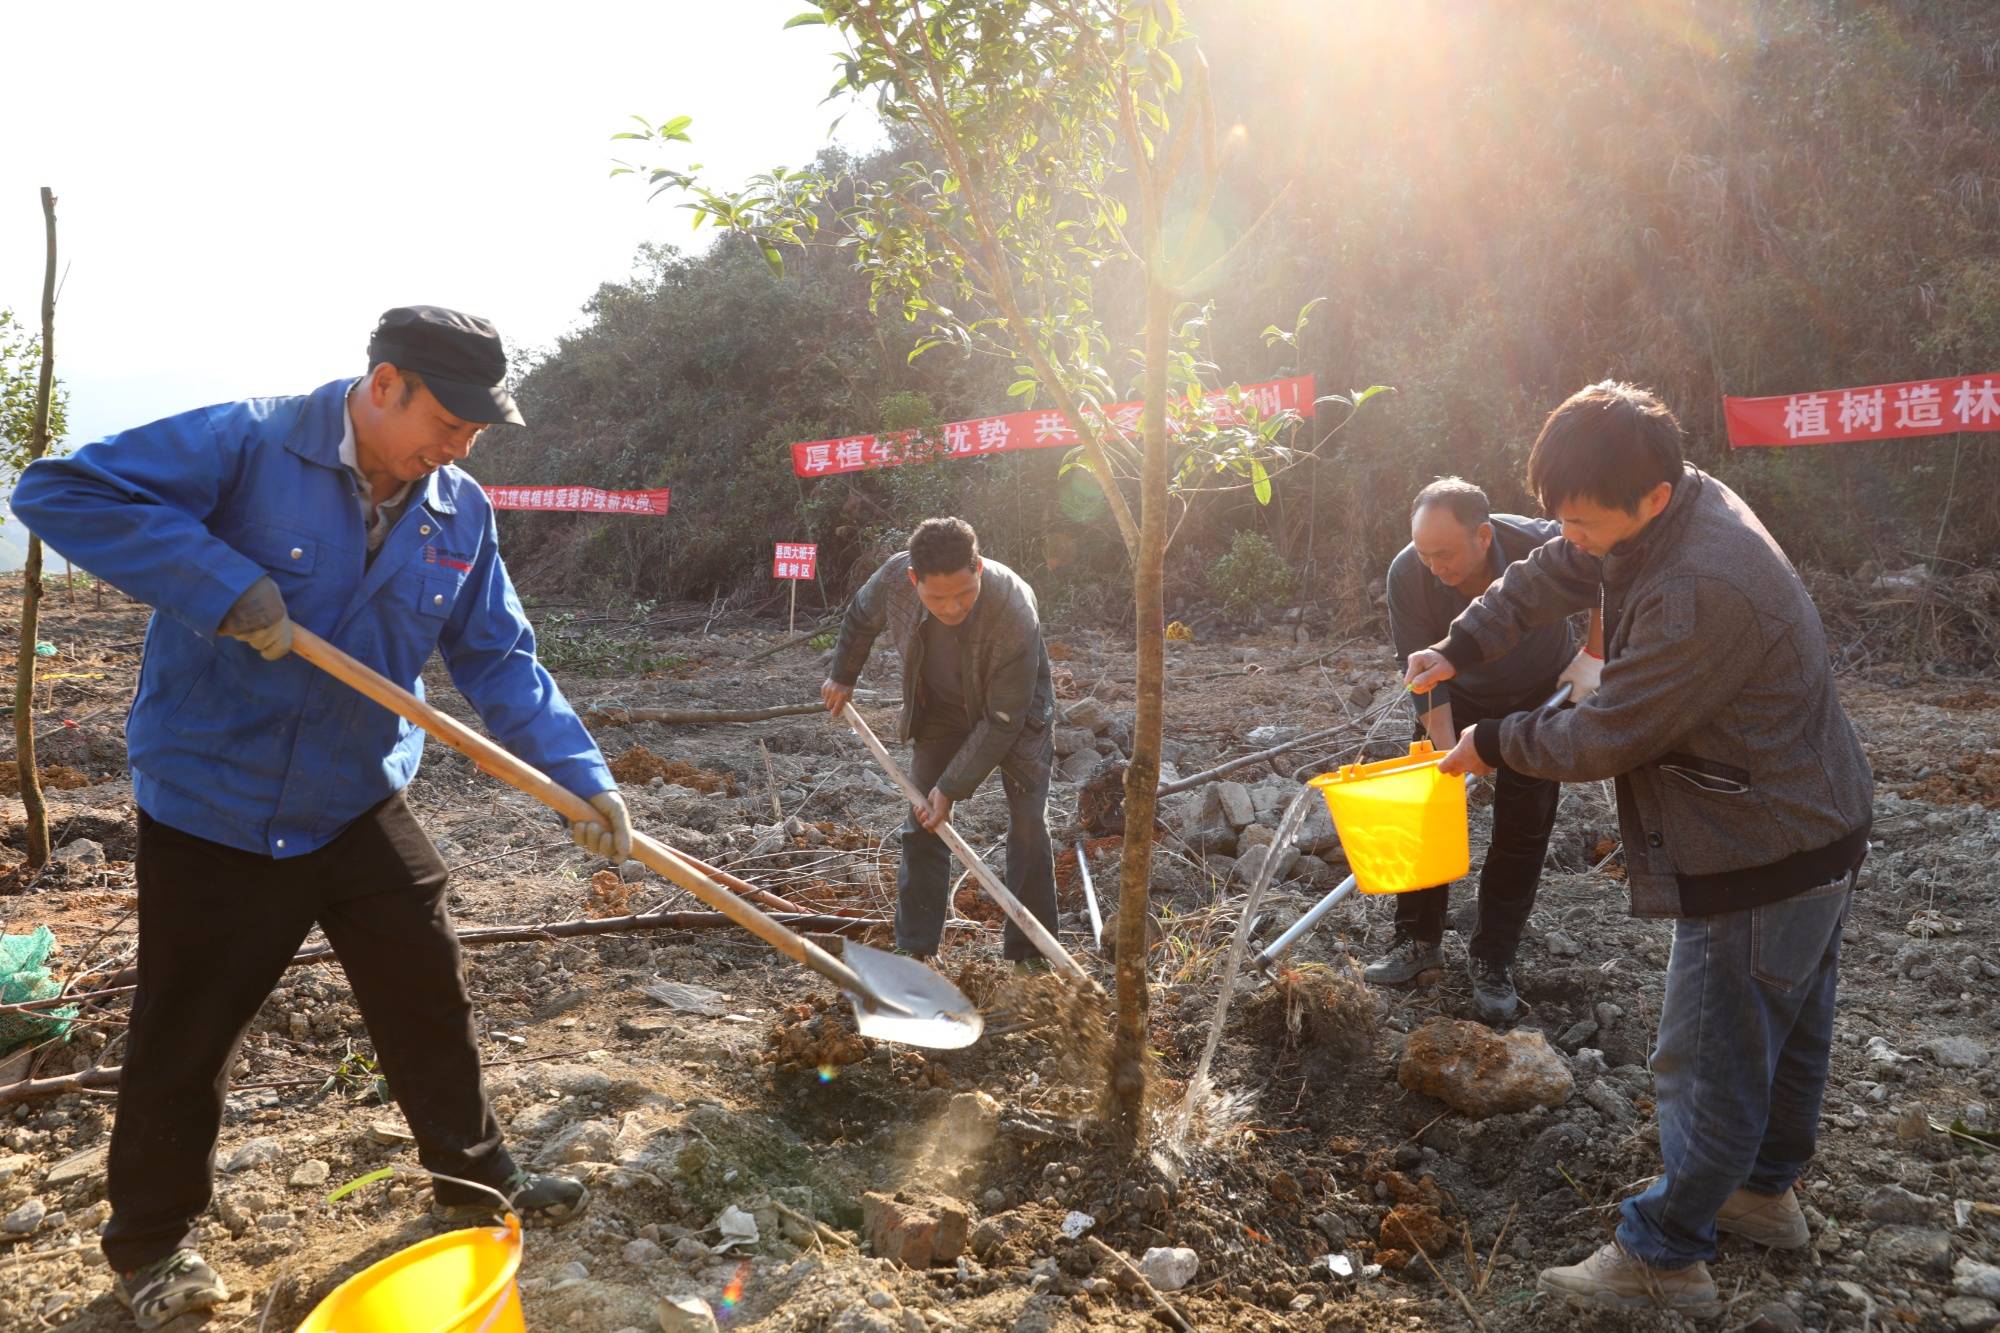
(910, 1003)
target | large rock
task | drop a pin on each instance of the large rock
(1071, 740)
(685, 1314)
(1924, 1248)
(1088, 713)
(1956, 1052)
(1282, 859)
(1233, 801)
(1204, 827)
(1316, 834)
(1169, 1268)
(257, 1152)
(1969, 1277)
(1479, 1072)
(585, 1141)
(1077, 767)
(23, 1220)
(914, 1231)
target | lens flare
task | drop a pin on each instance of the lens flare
(826, 1073)
(732, 1295)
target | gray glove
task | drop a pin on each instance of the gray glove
(612, 837)
(258, 618)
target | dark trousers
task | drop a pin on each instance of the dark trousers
(1524, 814)
(923, 881)
(216, 928)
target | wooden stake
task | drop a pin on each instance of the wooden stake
(34, 811)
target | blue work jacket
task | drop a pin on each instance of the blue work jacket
(279, 757)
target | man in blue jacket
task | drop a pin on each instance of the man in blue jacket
(271, 796)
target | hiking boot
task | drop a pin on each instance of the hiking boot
(1764, 1219)
(1406, 959)
(1494, 999)
(1613, 1277)
(538, 1200)
(159, 1292)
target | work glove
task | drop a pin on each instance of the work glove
(610, 838)
(1582, 675)
(258, 618)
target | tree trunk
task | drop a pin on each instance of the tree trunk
(35, 810)
(1142, 776)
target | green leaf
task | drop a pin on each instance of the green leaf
(775, 260)
(807, 19)
(1364, 395)
(359, 1181)
(675, 126)
(1022, 388)
(1260, 482)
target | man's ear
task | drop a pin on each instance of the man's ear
(913, 577)
(1655, 500)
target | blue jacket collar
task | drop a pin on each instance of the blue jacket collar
(315, 437)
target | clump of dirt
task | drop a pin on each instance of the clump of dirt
(817, 1035)
(1407, 1228)
(609, 895)
(639, 765)
(58, 776)
(1322, 1009)
(1974, 780)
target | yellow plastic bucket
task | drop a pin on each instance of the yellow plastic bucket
(1402, 823)
(460, 1282)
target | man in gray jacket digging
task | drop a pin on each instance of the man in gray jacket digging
(977, 695)
(1744, 800)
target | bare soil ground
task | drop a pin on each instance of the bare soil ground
(755, 1093)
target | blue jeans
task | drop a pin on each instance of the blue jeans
(1740, 1066)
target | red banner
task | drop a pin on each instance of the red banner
(1878, 412)
(1015, 431)
(794, 560)
(586, 499)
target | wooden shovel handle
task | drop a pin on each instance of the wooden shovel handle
(691, 875)
(1037, 933)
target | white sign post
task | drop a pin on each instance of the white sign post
(794, 561)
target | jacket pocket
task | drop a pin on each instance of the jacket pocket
(1709, 776)
(281, 551)
(436, 594)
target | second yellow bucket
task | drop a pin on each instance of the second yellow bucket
(460, 1282)
(1402, 824)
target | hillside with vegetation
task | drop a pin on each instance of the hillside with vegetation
(1707, 198)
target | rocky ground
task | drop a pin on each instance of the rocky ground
(745, 1148)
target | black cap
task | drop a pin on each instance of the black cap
(458, 355)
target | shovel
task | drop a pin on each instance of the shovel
(1037, 933)
(895, 998)
(1277, 947)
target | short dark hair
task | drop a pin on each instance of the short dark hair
(412, 381)
(1611, 443)
(1466, 502)
(943, 546)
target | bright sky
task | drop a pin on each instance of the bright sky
(242, 188)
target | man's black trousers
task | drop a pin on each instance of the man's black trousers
(216, 928)
(1524, 814)
(924, 877)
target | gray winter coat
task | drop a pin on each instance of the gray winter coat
(1009, 689)
(1740, 780)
